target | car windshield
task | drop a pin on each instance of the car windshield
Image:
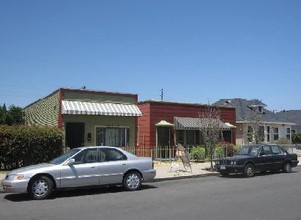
(64, 157)
(248, 150)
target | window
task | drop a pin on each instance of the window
(268, 133)
(118, 137)
(266, 150)
(86, 156)
(276, 150)
(288, 133)
(250, 134)
(111, 155)
(276, 134)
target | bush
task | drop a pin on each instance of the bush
(219, 152)
(23, 145)
(198, 153)
(296, 138)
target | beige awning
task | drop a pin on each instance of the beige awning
(230, 125)
(99, 108)
(164, 123)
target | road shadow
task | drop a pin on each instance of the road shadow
(76, 193)
(258, 174)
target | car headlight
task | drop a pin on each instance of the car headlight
(217, 162)
(15, 177)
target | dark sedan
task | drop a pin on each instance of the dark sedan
(257, 158)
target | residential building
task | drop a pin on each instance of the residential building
(293, 116)
(252, 116)
(88, 117)
(170, 123)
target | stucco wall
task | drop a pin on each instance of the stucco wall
(91, 122)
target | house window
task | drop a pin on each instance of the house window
(276, 134)
(268, 133)
(250, 134)
(193, 137)
(118, 137)
(288, 133)
(261, 134)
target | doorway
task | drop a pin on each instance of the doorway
(75, 133)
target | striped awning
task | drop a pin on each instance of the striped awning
(97, 108)
(187, 123)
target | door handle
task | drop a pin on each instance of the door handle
(123, 164)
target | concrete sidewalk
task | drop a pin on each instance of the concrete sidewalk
(174, 170)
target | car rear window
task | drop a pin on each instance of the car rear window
(277, 150)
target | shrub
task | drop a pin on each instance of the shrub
(23, 145)
(296, 138)
(198, 153)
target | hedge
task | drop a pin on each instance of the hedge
(23, 145)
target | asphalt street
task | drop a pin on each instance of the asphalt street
(265, 196)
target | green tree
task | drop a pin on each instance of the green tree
(13, 116)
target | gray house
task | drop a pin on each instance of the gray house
(293, 116)
(257, 124)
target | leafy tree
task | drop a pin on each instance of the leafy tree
(211, 130)
(13, 116)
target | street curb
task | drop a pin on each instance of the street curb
(183, 177)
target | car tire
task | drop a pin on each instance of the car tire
(40, 187)
(132, 181)
(287, 167)
(224, 174)
(249, 170)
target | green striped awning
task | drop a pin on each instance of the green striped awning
(187, 123)
(98, 108)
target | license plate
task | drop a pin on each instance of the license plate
(223, 167)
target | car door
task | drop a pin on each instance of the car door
(279, 157)
(112, 167)
(265, 159)
(83, 172)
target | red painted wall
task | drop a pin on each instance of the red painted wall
(155, 111)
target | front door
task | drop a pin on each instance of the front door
(75, 134)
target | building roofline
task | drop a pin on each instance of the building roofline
(182, 103)
(85, 91)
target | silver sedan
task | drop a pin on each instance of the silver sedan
(80, 167)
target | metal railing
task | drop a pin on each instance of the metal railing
(167, 153)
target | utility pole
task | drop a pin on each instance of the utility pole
(162, 94)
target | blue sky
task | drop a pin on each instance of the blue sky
(198, 51)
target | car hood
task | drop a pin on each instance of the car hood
(31, 168)
(237, 157)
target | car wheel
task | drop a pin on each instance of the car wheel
(224, 173)
(249, 170)
(40, 187)
(132, 181)
(287, 167)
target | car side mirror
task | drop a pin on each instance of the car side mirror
(70, 162)
(262, 153)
